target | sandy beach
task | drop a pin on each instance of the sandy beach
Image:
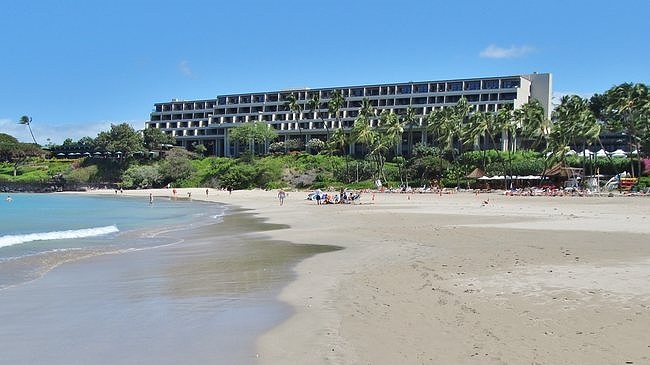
(449, 279)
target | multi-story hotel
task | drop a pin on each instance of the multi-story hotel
(208, 121)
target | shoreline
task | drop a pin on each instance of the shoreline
(447, 279)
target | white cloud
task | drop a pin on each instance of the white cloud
(186, 70)
(493, 51)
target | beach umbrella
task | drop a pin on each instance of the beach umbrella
(601, 153)
(476, 173)
(571, 153)
(586, 153)
(61, 154)
(619, 153)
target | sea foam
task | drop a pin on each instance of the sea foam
(10, 240)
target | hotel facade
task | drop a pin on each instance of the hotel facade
(209, 121)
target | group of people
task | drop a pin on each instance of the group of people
(344, 197)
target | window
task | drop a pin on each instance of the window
(455, 86)
(510, 83)
(491, 84)
(472, 85)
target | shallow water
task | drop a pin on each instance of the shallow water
(204, 299)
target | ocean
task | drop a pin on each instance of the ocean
(119, 280)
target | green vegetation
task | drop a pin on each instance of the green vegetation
(460, 139)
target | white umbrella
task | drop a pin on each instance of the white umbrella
(601, 153)
(619, 153)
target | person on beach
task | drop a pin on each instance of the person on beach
(207, 191)
(150, 198)
(281, 196)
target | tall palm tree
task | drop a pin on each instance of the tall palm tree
(392, 127)
(534, 125)
(409, 119)
(574, 124)
(447, 125)
(628, 110)
(314, 105)
(481, 128)
(295, 107)
(336, 102)
(28, 121)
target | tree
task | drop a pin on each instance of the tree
(628, 111)
(177, 165)
(336, 102)
(141, 176)
(447, 125)
(314, 105)
(573, 124)
(154, 138)
(17, 153)
(482, 125)
(392, 127)
(28, 121)
(409, 120)
(121, 138)
(252, 133)
(534, 125)
(295, 107)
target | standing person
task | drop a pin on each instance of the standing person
(281, 196)
(317, 197)
(229, 190)
(206, 192)
(150, 198)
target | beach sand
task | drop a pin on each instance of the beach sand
(447, 279)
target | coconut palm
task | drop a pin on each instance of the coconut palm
(336, 102)
(28, 121)
(481, 128)
(447, 125)
(534, 124)
(409, 120)
(392, 127)
(628, 110)
(296, 108)
(314, 105)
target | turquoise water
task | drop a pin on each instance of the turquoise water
(112, 280)
(40, 231)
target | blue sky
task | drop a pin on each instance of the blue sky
(76, 66)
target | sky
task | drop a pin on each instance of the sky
(77, 66)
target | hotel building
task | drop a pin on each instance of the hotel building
(208, 121)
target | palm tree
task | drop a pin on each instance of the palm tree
(448, 124)
(628, 110)
(481, 128)
(295, 107)
(28, 121)
(314, 107)
(534, 125)
(336, 102)
(392, 127)
(409, 120)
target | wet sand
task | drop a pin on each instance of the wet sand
(429, 279)
(202, 301)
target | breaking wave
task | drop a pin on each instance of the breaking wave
(10, 240)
